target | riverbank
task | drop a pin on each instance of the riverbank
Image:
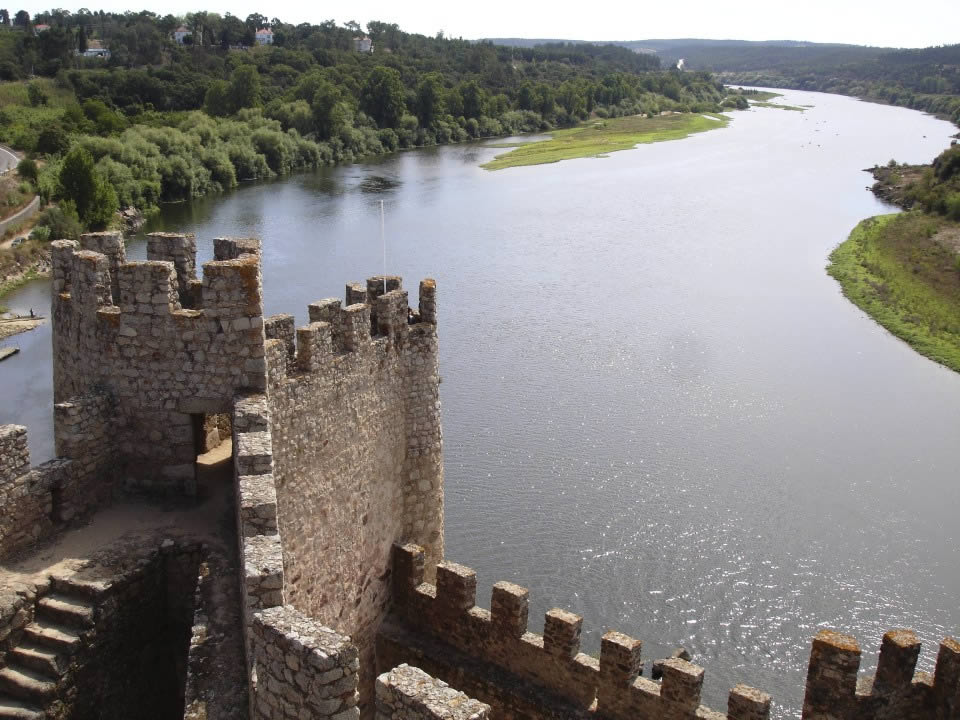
(16, 325)
(599, 137)
(904, 271)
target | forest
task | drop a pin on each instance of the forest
(176, 107)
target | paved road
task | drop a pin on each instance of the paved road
(8, 161)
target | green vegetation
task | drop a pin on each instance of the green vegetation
(904, 271)
(166, 121)
(599, 137)
(777, 106)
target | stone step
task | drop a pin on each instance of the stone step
(11, 709)
(67, 610)
(90, 590)
(41, 658)
(41, 632)
(26, 685)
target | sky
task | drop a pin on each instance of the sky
(887, 23)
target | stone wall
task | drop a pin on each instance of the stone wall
(490, 655)
(303, 669)
(36, 501)
(354, 414)
(408, 693)
(159, 343)
(894, 692)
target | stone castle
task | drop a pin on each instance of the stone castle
(321, 590)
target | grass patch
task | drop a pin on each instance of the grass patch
(600, 137)
(762, 95)
(894, 269)
(778, 106)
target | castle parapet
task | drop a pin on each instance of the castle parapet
(894, 692)
(552, 662)
(148, 288)
(231, 248)
(111, 245)
(181, 250)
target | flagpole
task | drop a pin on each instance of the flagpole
(383, 241)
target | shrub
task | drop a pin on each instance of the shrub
(53, 140)
(27, 169)
(40, 232)
(61, 222)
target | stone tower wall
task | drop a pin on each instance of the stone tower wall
(354, 415)
(159, 343)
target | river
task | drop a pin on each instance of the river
(659, 411)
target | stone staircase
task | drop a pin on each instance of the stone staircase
(34, 667)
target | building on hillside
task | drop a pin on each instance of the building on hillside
(181, 34)
(363, 44)
(264, 36)
(42, 27)
(95, 49)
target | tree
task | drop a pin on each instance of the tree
(430, 103)
(94, 198)
(4, 18)
(81, 39)
(330, 113)
(35, 95)
(382, 96)
(244, 91)
(53, 140)
(27, 169)
(217, 100)
(474, 99)
(21, 19)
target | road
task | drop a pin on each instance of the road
(8, 161)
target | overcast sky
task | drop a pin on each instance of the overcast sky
(891, 23)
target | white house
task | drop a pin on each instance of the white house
(264, 36)
(42, 27)
(180, 33)
(363, 44)
(96, 49)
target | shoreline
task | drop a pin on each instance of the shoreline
(897, 297)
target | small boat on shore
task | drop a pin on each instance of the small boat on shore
(6, 352)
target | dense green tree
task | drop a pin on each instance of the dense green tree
(21, 19)
(244, 91)
(53, 140)
(27, 169)
(94, 198)
(4, 17)
(430, 99)
(382, 97)
(216, 102)
(329, 111)
(474, 99)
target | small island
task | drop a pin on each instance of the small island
(596, 138)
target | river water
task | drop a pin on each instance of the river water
(659, 410)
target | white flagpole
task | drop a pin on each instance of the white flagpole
(383, 240)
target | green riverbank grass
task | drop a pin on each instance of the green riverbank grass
(778, 106)
(894, 269)
(600, 137)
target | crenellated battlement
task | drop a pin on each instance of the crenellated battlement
(164, 285)
(336, 329)
(447, 612)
